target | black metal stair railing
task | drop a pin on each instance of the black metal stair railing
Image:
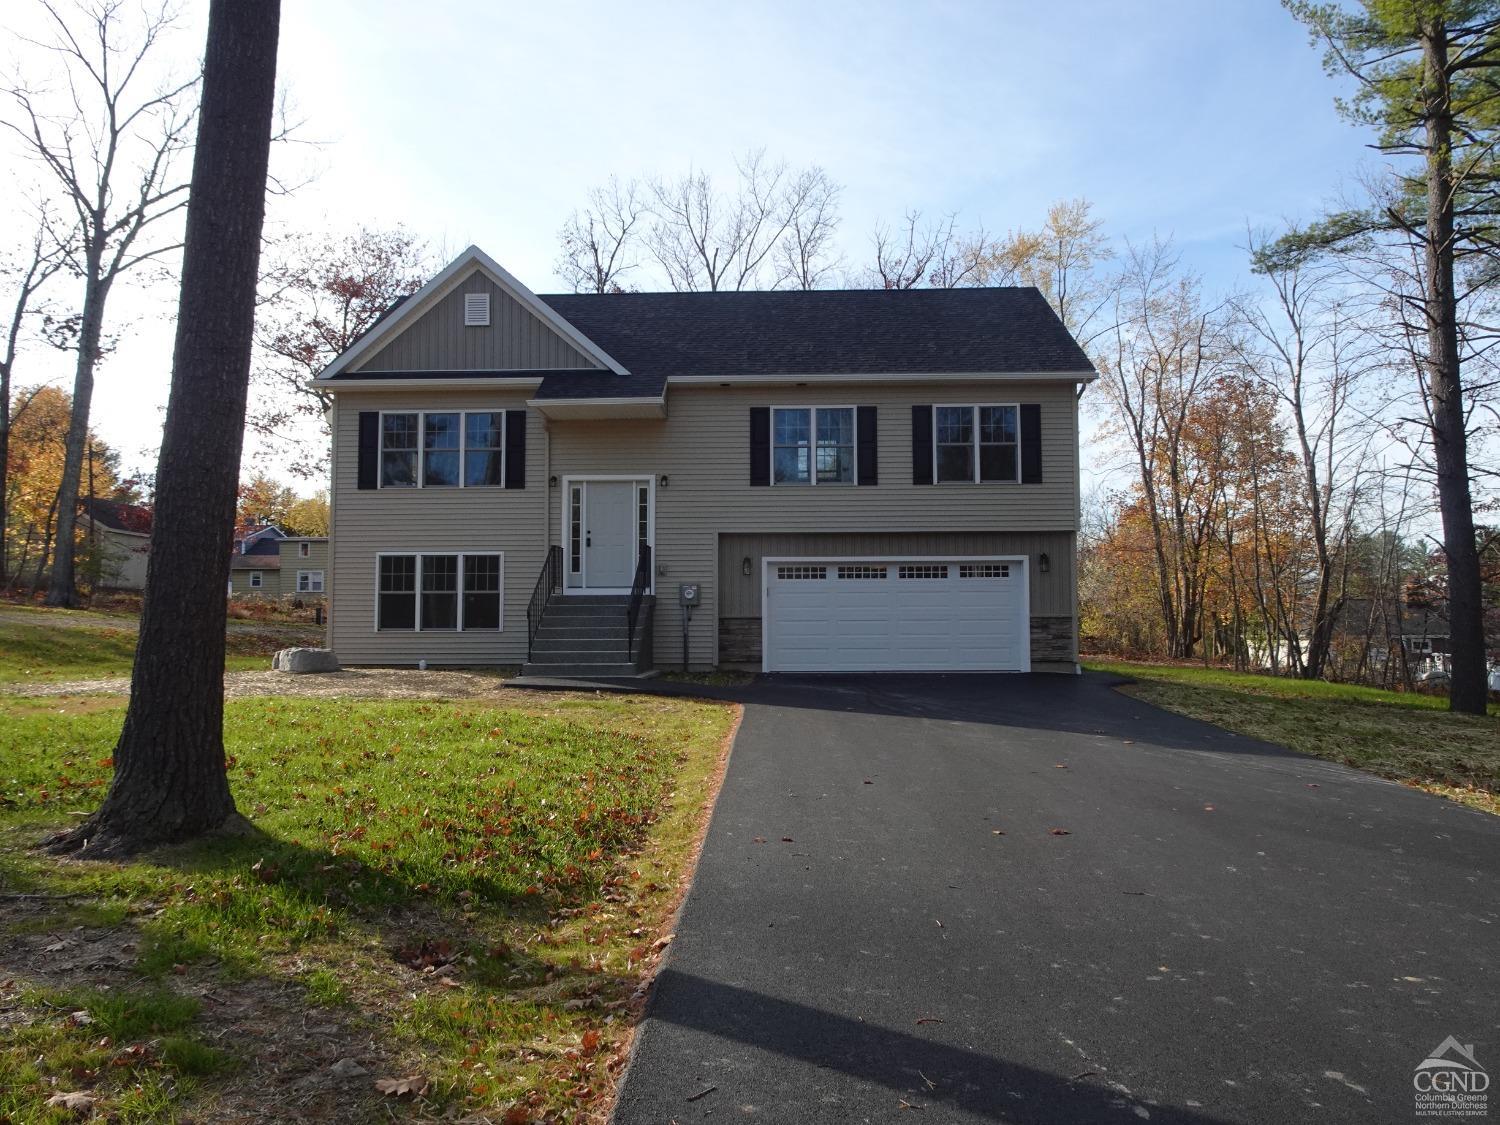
(548, 583)
(638, 590)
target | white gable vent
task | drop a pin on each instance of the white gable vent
(476, 310)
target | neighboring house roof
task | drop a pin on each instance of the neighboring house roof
(255, 562)
(258, 539)
(647, 338)
(118, 516)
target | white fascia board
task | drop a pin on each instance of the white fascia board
(941, 377)
(425, 297)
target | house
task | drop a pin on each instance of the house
(788, 481)
(269, 563)
(122, 538)
(255, 566)
(304, 566)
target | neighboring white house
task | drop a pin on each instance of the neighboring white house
(122, 537)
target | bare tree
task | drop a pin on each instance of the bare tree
(170, 781)
(904, 255)
(707, 239)
(24, 273)
(110, 147)
(1309, 348)
(1166, 349)
(599, 244)
(935, 252)
(807, 258)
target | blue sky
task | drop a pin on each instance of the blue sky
(487, 123)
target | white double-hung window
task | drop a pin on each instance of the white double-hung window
(974, 444)
(813, 445)
(442, 449)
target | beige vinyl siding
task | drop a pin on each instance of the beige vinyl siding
(292, 561)
(430, 521)
(270, 586)
(703, 449)
(515, 340)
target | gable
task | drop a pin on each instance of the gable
(516, 339)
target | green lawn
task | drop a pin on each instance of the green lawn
(77, 648)
(474, 890)
(1400, 735)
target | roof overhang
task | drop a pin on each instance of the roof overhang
(439, 287)
(441, 380)
(586, 409)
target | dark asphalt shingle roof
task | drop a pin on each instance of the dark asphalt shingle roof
(601, 384)
(826, 332)
(656, 336)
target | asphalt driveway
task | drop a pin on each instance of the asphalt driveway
(888, 923)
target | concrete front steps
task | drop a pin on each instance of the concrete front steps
(587, 636)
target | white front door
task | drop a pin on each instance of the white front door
(609, 534)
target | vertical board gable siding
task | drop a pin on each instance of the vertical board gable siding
(516, 339)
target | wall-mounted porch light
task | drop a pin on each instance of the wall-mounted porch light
(552, 481)
(663, 480)
(745, 566)
(1043, 563)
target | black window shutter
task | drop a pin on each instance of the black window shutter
(515, 449)
(369, 449)
(866, 469)
(921, 445)
(760, 445)
(1031, 443)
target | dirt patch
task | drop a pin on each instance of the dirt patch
(293, 1061)
(351, 683)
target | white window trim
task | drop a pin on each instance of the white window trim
(813, 446)
(463, 444)
(568, 483)
(974, 408)
(418, 553)
(308, 589)
(257, 579)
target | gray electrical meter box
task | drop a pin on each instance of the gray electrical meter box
(689, 593)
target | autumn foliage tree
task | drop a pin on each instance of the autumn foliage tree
(319, 293)
(35, 460)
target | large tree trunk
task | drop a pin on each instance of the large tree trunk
(170, 781)
(1467, 690)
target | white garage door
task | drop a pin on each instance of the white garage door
(896, 615)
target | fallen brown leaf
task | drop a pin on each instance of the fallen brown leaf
(415, 1085)
(75, 1102)
(1059, 832)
